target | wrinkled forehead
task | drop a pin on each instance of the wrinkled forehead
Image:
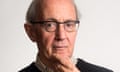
(43, 4)
(51, 2)
(55, 6)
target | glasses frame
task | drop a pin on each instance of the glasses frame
(57, 22)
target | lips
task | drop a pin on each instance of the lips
(59, 45)
(60, 48)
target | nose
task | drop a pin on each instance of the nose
(60, 32)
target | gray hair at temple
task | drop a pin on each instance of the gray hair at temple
(35, 10)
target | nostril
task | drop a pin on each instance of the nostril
(58, 39)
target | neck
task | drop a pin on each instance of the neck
(48, 62)
(44, 60)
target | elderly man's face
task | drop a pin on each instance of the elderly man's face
(60, 41)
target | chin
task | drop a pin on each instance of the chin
(64, 55)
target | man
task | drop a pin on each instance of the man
(53, 25)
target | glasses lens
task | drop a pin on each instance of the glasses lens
(50, 26)
(71, 26)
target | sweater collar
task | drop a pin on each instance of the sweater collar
(42, 67)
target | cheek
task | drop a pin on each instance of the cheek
(47, 40)
(44, 38)
(71, 39)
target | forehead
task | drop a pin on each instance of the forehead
(58, 9)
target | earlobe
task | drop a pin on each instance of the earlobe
(30, 31)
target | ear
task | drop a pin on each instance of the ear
(30, 30)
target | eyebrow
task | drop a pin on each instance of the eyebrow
(53, 19)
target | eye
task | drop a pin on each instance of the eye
(50, 24)
(70, 24)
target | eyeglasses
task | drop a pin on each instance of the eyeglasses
(51, 26)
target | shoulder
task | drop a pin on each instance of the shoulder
(30, 68)
(88, 67)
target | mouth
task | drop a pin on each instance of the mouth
(61, 49)
(60, 44)
(57, 46)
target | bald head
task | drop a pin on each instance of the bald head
(39, 8)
